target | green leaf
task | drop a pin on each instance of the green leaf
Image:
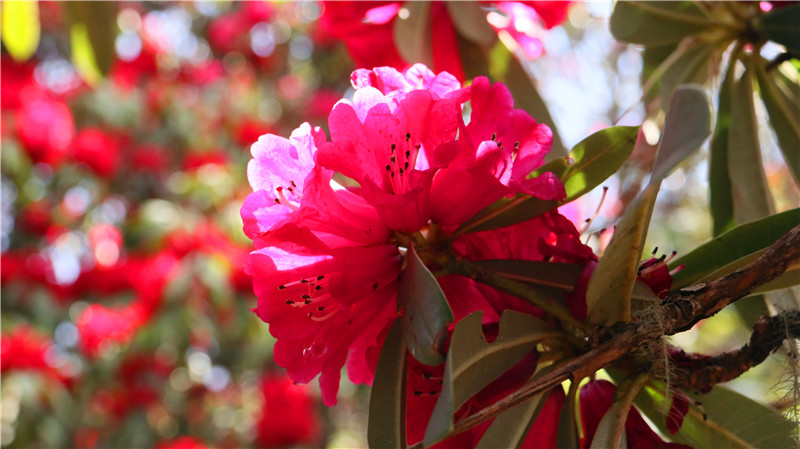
(789, 278)
(725, 419)
(469, 19)
(93, 30)
(426, 314)
(751, 196)
(691, 66)
(567, 435)
(511, 427)
(412, 35)
(589, 163)
(473, 363)
(783, 119)
(563, 276)
(608, 296)
(20, 28)
(526, 96)
(719, 181)
(387, 401)
(686, 127)
(780, 25)
(661, 22)
(727, 252)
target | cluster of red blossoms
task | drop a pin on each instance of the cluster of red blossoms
(329, 250)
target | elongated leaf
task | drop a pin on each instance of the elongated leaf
(725, 419)
(511, 427)
(93, 30)
(20, 28)
(780, 25)
(567, 436)
(743, 241)
(783, 120)
(552, 274)
(690, 67)
(687, 126)
(473, 363)
(751, 196)
(608, 296)
(789, 278)
(658, 22)
(412, 35)
(426, 314)
(719, 181)
(387, 400)
(590, 163)
(469, 19)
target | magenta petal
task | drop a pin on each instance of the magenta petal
(546, 186)
(382, 14)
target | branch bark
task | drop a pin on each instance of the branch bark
(680, 312)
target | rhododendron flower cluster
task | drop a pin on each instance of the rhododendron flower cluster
(328, 257)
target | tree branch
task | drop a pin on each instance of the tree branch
(680, 312)
(768, 335)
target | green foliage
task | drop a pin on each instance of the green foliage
(387, 401)
(654, 23)
(720, 418)
(732, 249)
(473, 363)
(608, 296)
(426, 314)
(511, 427)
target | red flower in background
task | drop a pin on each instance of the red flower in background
(289, 416)
(184, 442)
(98, 149)
(25, 349)
(367, 29)
(45, 128)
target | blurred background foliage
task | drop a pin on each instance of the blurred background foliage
(125, 136)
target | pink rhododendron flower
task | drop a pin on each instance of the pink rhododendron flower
(327, 259)
(45, 128)
(289, 416)
(595, 400)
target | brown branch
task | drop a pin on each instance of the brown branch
(680, 312)
(768, 335)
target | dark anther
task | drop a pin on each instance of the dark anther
(393, 147)
(417, 393)
(320, 277)
(393, 159)
(289, 301)
(304, 281)
(318, 287)
(305, 297)
(408, 153)
(426, 375)
(321, 308)
(281, 287)
(408, 137)
(392, 174)
(277, 201)
(292, 183)
(516, 145)
(655, 250)
(291, 190)
(375, 286)
(401, 172)
(406, 165)
(307, 301)
(433, 392)
(388, 168)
